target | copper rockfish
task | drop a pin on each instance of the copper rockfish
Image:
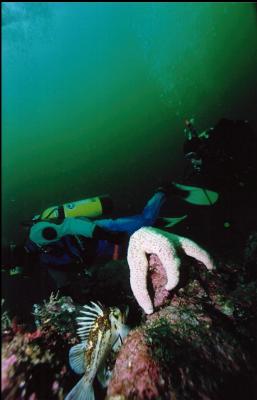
(100, 330)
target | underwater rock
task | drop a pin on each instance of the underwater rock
(250, 256)
(250, 253)
(136, 374)
(6, 366)
(104, 282)
(34, 364)
(5, 319)
(158, 280)
(111, 283)
(202, 345)
(58, 312)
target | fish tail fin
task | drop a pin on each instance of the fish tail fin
(83, 390)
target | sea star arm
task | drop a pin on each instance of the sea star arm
(192, 249)
(138, 264)
(164, 248)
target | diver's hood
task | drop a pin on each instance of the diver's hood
(37, 233)
(43, 233)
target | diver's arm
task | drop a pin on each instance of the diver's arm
(77, 226)
(44, 233)
(89, 229)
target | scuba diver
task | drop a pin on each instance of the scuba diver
(66, 244)
(223, 156)
(68, 240)
(223, 159)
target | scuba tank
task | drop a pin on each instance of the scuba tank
(91, 208)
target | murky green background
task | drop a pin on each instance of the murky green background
(95, 95)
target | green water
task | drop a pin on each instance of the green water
(95, 95)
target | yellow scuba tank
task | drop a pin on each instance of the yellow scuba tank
(90, 208)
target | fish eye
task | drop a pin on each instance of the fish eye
(116, 312)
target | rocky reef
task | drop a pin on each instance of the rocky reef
(200, 342)
(34, 364)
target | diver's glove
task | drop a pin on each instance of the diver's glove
(111, 236)
(12, 271)
(16, 271)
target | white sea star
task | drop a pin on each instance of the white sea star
(148, 240)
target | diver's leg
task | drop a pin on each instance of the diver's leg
(152, 208)
(131, 224)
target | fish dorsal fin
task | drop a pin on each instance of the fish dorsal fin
(88, 319)
(76, 358)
